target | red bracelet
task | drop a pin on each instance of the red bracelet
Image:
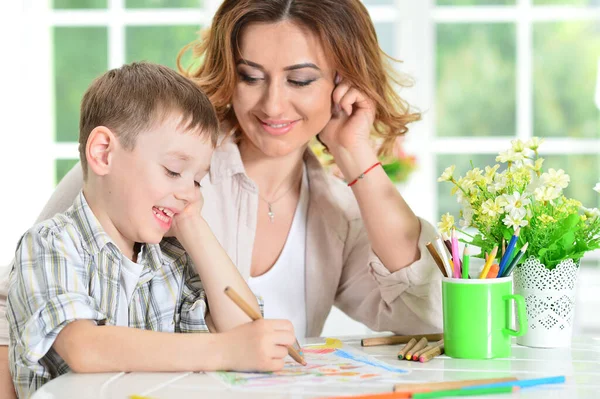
(353, 182)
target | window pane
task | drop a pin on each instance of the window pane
(474, 2)
(386, 35)
(564, 2)
(159, 44)
(475, 80)
(62, 167)
(565, 76)
(75, 66)
(78, 4)
(447, 201)
(163, 3)
(584, 171)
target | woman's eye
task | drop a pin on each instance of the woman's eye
(170, 173)
(301, 83)
(248, 79)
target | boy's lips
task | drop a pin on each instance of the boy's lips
(164, 216)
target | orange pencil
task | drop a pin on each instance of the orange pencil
(493, 273)
(386, 395)
(488, 263)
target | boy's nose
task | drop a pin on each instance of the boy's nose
(188, 193)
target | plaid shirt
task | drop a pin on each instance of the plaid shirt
(67, 268)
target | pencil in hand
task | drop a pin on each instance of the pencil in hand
(254, 315)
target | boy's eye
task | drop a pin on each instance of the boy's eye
(170, 173)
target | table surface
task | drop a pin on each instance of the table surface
(580, 363)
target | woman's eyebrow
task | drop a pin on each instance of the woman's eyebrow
(288, 68)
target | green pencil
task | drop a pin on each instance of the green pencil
(465, 262)
(463, 392)
(515, 261)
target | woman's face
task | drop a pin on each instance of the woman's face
(282, 96)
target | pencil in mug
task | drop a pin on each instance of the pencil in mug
(442, 252)
(438, 261)
(493, 273)
(254, 315)
(510, 249)
(488, 264)
(515, 261)
(466, 262)
(456, 255)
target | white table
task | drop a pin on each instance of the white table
(581, 363)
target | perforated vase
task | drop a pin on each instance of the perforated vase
(549, 300)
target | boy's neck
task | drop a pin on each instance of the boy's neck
(126, 246)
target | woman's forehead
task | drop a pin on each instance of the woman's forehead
(281, 44)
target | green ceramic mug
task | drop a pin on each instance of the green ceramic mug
(478, 316)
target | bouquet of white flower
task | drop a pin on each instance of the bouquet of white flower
(496, 203)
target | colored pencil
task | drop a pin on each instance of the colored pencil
(407, 347)
(515, 260)
(466, 262)
(488, 263)
(456, 255)
(254, 315)
(509, 251)
(503, 247)
(436, 258)
(493, 273)
(432, 386)
(420, 345)
(442, 252)
(463, 392)
(427, 356)
(385, 395)
(398, 339)
(448, 244)
(417, 354)
(525, 383)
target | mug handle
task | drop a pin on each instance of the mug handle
(521, 315)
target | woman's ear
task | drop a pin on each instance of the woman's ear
(98, 150)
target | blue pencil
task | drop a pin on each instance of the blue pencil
(524, 383)
(509, 251)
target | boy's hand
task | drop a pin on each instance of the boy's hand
(258, 346)
(184, 221)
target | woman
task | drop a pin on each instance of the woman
(281, 72)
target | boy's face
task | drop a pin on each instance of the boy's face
(155, 181)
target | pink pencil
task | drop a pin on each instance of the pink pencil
(455, 255)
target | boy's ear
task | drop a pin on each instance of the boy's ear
(98, 150)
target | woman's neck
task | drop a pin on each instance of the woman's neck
(272, 175)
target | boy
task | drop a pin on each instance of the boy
(81, 278)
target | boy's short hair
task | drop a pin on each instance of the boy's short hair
(136, 97)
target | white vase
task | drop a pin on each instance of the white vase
(549, 301)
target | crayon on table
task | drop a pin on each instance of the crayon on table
(398, 339)
(463, 392)
(533, 382)
(420, 345)
(407, 347)
(432, 386)
(427, 356)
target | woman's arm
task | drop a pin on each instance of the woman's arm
(64, 194)
(7, 390)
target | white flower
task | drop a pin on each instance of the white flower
(446, 224)
(537, 165)
(517, 145)
(546, 193)
(597, 188)
(591, 212)
(510, 156)
(518, 213)
(489, 173)
(515, 200)
(492, 207)
(448, 172)
(556, 178)
(513, 222)
(467, 214)
(475, 175)
(500, 182)
(466, 184)
(534, 143)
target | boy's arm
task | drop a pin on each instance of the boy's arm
(88, 348)
(216, 272)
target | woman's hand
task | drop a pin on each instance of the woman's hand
(351, 121)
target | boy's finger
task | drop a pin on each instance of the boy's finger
(282, 325)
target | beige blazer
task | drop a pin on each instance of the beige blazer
(341, 268)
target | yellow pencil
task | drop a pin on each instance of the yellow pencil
(488, 264)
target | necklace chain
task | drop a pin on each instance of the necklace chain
(271, 214)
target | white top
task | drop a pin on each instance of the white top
(130, 275)
(282, 288)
